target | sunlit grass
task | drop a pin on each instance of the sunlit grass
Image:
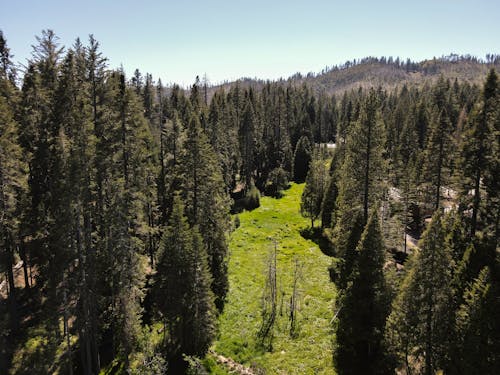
(311, 351)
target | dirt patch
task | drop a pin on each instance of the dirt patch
(233, 366)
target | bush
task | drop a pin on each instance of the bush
(277, 181)
(252, 199)
(249, 202)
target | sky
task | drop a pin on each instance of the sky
(226, 40)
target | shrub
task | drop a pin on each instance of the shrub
(249, 202)
(252, 198)
(276, 182)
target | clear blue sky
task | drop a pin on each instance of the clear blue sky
(177, 40)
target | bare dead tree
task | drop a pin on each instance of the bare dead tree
(294, 298)
(269, 300)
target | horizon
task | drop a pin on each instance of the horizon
(231, 41)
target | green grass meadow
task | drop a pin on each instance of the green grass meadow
(310, 352)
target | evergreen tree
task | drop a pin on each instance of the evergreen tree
(346, 245)
(364, 309)
(301, 159)
(402, 326)
(476, 332)
(437, 154)
(124, 161)
(423, 311)
(247, 145)
(44, 140)
(478, 151)
(206, 203)
(362, 171)
(7, 69)
(328, 203)
(12, 177)
(223, 135)
(316, 183)
(182, 286)
(328, 206)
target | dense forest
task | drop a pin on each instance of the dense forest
(118, 196)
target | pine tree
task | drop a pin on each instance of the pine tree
(476, 332)
(73, 113)
(44, 140)
(247, 145)
(206, 202)
(316, 183)
(182, 286)
(328, 203)
(129, 187)
(492, 184)
(12, 177)
(478, 139)
(7, 69)
(124, 159)
(301, 159)
(423, 311)
(223, 135)
(346, 245)
(87, 161)
(364, 309)
(362, 171)
(402, 326)
(437, 154)
(328, 206)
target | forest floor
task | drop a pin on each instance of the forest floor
(309, 351)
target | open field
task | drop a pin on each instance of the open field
(311, 351)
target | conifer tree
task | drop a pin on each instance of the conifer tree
(87, 170)
(124, 160)
(328, 206)
(402, 326)
(422, 315)
(223, 135)
(477, 334)
(182, 287)
(316, 183)
(247, 145)
(478, 146)
(12, 177)
(7, 69)
(328, 203)
(437, 154)
(206, 203)
(44, 140)
(364, 309)
(301, 159)
(362, 171)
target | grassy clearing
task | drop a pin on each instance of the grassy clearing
(311, 351)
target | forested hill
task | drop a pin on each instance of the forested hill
(387, 73)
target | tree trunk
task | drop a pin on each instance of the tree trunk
(66, 333)
(428, 323)
(440, 167)
(24, 257)
(367, 174)
(10, 272)
(12, 287)
(84, 324)
(477, 199)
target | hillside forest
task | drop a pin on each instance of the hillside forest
(119, 197)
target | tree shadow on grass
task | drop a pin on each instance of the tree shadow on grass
(317, 236)
(30, 349)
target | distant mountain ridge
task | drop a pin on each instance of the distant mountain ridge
(387, 73)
